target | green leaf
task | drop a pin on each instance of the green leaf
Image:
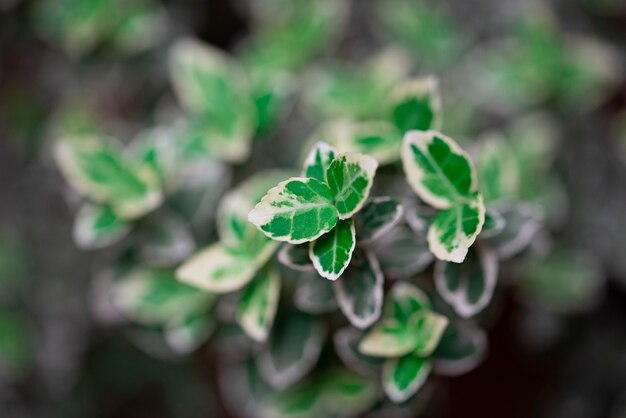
(468, 287)
(214, 88)
(292, 351)
(416, 105)
(454, 230)
(462, 347)
(346, 342)
(332, 252)
(222, 269)
(151, 296)
(98, 227)
(317, 162)
(360, 290)
(348, 394)
(16, 347)
(314, 294)
(184, 335)
(564, 281)
(437, 169)
(402, 377)
(297, 210)
(401, 253)
(296, 257)
(95, 167)
(378, 139)
(158, 149)
(497, 168)
(257, 306)
(408, 325)
(350, 178)
(378, 216)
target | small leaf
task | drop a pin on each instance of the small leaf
(494, 224)
(454, 230)
(346, 342)
(297, 210)
(95, 167)
(360, 290)
(377, 217)
(314, 294)
(378, 139)
(402, 377)
(292, 351)
(222, 269)
(427, 327)
(184, 335)
(497, 168)
(437, 169)
(401, 253)
(348, 394)
(318, 160)
(350, 178)
(416, 105)
(98, 227)
(296, 257)
(151, 296)
(521, 223)
(462, 347)
(332, 252)
(388, 338)
(214, 88)
(257, 306)
(468, 287)
(157, 148)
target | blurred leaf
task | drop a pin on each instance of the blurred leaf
(401, 253)
(403, 376)
(462, 347)
(15, 343)
(377, 217)
(296, 257)
(416, 104)
(346, 342)
(164, 241)
(314, 294)
(98, 227)
(258, 303)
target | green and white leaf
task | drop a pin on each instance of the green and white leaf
(497, 168)
(348, 394)
(331, 253)
(317, 161)
(155, 297)
(297, 210)
(462, 347)
(184, 335)
(377, 217)
(416, 105)
(454, 230)
(346, 343)
(158, 149)
(494, 223)
(296, 257)
(223, 269)
(378, 139)
(98, 227)
(215, 89)
(314, 294)
(428, 327)
(257, 306)
(96, 167)
(437, 169)
(521, 224)
(388, 338)
(350, 178)
(468, 287)
(360, 290)
(403, 376)
(292, 351)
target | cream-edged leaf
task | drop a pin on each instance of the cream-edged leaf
(297, 210)
(350, 177)
(98, 226)
(222, 269)
(331, 253)
(403, 376)
(317, 161)
(258, 303)
(469, 286)
(416, 105)
(377, 217)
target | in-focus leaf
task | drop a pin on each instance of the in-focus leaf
(350, 178)
(331, 253)
(317, 161)
(297, 210)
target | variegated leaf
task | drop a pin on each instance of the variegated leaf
(258, 303)
(332, 252)
(350, 178)
(297, 210)
(416, 105)
(403, 376)
(377, 217)
(318, 160)
(98, 226)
